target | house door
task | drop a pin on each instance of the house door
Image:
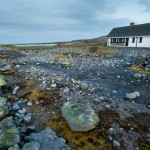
(127, 42)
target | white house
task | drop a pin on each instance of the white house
(130, 36)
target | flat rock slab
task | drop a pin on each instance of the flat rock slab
(80, 117)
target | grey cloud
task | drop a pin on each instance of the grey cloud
(146, 3)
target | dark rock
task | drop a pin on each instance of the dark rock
(48, 140)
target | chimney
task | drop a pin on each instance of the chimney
(132, 24)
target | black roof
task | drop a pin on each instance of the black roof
(133, 30)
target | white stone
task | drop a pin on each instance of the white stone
(29, 103)
(23, 111)
(54, 85)
(130, 95)
(107, 106)
(116, 144)
(137, 94)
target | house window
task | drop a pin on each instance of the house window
(114, 40)
(133, 40)
(120, 40)
(140, 40)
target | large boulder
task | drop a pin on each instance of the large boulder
(2, 81)
(80, 117)
(3, 107)
(8, 133)
(48, 140)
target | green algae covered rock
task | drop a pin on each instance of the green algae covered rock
(2, 81)
(3, 107)
(9, 135)
(80, 117)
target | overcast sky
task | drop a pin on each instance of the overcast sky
(27, 21)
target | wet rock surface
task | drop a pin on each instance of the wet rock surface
(39, 82)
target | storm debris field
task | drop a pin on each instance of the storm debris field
(83, 96)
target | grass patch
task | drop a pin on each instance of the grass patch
(139, 70)
(9, 47)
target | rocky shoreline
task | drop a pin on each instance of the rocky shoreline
(42, 91)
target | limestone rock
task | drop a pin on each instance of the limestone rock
(132, 95)
(48, 140)
(8, 133)
(80, 117)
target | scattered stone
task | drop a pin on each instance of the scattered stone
(107, 106)
(116, 144)
(31, 128)
(9, 135)
(15, 107)
(54, 85)
(2, 81)
(29, 103)
(118, 77)
(15, 89)
(23, 111)
(84, 86)
(147, 69)
(137, 76)
(137, 94)
(27, 118)
(48, 140)
(132, 95)
(17, 66)
(80, 117)
(31, 146)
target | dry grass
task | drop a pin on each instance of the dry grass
(9, 47)
(6, 56)
(8, 72)
(48, 97)
(140, 70)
